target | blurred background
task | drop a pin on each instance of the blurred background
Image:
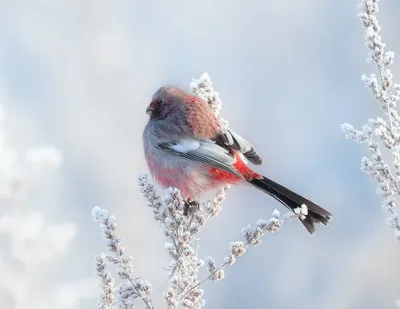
(75, 79)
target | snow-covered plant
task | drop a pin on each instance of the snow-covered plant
(380, 132)
(181, 226)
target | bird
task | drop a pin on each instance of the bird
(187, 147)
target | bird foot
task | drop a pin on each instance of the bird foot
(190, 206)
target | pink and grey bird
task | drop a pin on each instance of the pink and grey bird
(187, 148)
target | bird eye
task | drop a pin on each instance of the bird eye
(156, 104)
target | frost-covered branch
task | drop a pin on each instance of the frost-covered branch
(181, 232)
(180, 225)
(252, 238)
(380, 132)
(130, 288)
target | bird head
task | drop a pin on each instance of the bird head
(164, 101)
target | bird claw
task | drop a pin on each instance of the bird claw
(190, 206)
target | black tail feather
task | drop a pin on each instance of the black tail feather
(292, 200)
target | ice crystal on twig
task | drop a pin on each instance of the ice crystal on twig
(115, 255)
(380, 132)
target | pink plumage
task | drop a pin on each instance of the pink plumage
(186, 147)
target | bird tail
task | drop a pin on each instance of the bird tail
(292, 200)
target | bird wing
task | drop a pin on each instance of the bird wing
(204, 152)
(204, 125)
(234, 141)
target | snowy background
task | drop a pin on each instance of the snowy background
(78, 75)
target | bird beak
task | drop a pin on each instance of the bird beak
(149, 110)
